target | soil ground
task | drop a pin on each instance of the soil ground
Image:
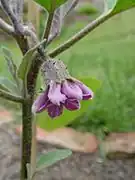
(76, 167)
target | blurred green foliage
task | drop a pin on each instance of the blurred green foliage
(86, 9)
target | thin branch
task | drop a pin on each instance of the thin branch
(13, 6)
(8, 10)
(33, 148)
(10, 97)
(17, 8)
(16, 23)
(20, 4)
(6, 27)
(90, 27)
(48, 27)
(29, 32)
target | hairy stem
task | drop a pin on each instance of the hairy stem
(20, 4)
(48, 27)
(26, 137)
(28, 117)
(15, 21)
(33, 149)
(90, 27)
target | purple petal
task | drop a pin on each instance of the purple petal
(40, 103)
(54, 110)
(55, 95)
(71, 90)
(72, 104)
(87, 92)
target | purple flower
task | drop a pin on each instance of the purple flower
(87, 93)
(59, 96)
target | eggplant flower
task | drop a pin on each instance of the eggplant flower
(58, 96)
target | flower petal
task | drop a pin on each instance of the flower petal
(87, 92)
(72, 104)
(71, 90)
(55, 95)
(40, 103)
(54, 110)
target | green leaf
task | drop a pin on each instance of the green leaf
(117, 6)
(7, 85)
(45, 122)
(58, 17)
(26, 62)
(9, 58)
(50, 5)
(51, 158)
(11, 65)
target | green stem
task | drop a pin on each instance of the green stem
(26, 112)
(28, 116)
(90, 27)
(26, 137)
(48, 27)
(33, 149)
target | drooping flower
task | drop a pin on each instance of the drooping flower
(62, 90)
(58, 96)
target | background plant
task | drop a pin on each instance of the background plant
(34, 53)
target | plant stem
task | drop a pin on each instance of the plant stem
(48, 27)
(90, 27)
(15, 21)
(33, 148)
(26, 137)
(27, 116)
(26, 111)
